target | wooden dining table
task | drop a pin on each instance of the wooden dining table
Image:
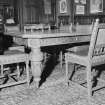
(36, 40)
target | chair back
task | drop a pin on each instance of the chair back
(12, 28)
(97, 42)
(36, 27)
(84, 28)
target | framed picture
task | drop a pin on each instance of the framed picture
(76, 1)
(63, 6)
(80, 9)
(47, 7)
(96, 6)
(83, 1)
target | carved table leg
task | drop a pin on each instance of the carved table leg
(36, 57)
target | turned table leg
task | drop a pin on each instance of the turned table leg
(36, 57)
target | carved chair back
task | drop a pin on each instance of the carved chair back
(97, 42)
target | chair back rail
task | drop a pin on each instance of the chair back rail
(97, 42)
(84, 28)
(93, 39)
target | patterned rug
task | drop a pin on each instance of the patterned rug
(54, 95)
(52, 92)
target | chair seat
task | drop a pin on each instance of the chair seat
(78, 48)
(13, 56)
(9, 52)
(80, 57)
(81, 52)
(16, 47)
(77, 56)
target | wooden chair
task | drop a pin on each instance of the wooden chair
(90, 58)
(78, 29)
(17, 47)
(11, 28)
(14, 68)
(36, 27)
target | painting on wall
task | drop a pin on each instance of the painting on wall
(47, 6)
(80, 9)
(96, 6)
(63, 6)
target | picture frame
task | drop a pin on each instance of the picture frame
(96, 6)
(47, 7)
(80, 9)
(63, 6)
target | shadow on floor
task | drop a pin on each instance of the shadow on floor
(99, 70)
(49, 66)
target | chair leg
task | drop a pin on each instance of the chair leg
(66, 65)
(73, 71)
(61, 58)
(18, 71)
(67, 72)
(89, 83)
(2, 74)
(27, 72)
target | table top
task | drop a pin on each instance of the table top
(46, 34)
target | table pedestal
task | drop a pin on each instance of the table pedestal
(36, 57)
